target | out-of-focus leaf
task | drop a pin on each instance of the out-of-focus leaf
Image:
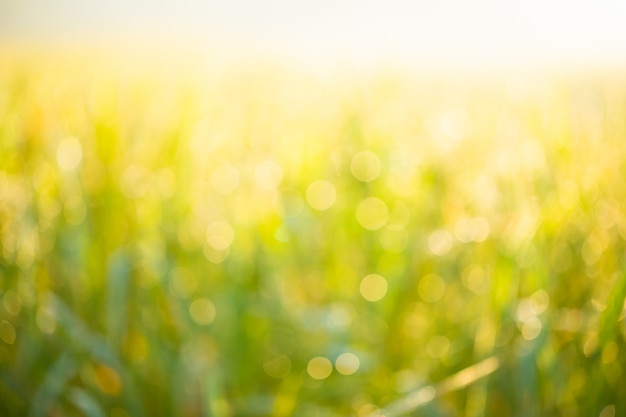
(615, 306)
(96, 347)
(53, 384)
(118, 276)
(86, 403)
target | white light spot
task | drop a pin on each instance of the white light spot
(540, 301)
(213, 255)
(321, 195)
(426, 394)
(220, 235)
(319, 368)
(373, 287)
(440, 242)
(347, 363)
(339, 316)
(202, 311)
(454, 126)
(531, 328)
(476, 279)
(69, 153)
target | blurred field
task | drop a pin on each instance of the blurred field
(256, 241)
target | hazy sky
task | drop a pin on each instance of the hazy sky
(494, 29)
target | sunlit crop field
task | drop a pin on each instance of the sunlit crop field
(265, 241)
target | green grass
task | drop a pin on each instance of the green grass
(162, 250)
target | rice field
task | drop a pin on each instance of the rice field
(259, 240)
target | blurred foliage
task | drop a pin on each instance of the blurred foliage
(251, 241)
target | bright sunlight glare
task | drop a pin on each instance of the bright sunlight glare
(450, 32)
